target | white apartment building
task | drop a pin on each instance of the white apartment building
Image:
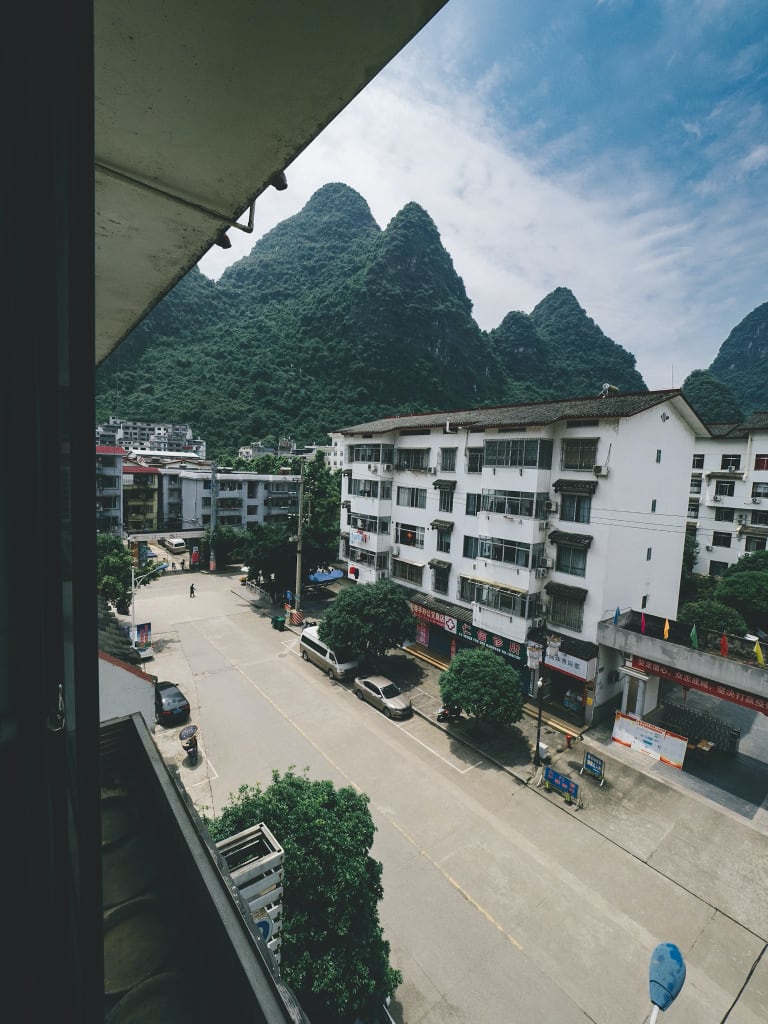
(728, 500)
(518, 521)
(139, 436)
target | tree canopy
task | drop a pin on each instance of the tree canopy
(481, 683)
(334, 955)
(713, 615)
(747, 592)
(369, 618)
(114, 579)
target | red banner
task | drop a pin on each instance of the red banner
(655, 668)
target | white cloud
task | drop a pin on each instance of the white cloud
(663, 279)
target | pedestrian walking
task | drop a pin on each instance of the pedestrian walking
(173, 566)
(192, 590)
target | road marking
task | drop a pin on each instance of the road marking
(461, 771)
(459, 888)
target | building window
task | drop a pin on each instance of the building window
(440, 577)
(412, 458)
(695, 487)
(473, 504)
(759, 518)
(761, 462)
(698, 462)
(721, 540)
(648, 554)
(448, 460)
(369, 453)
(565, 611)
(578, 453)
(411, 497)
(730, 462)
(443, 541)
(446, 500)
(755, 544)
(725, 488)
(575, 508)
(693, 510)
(499, 549)
(470, 547)
(407, 572)
(385, 490)
(760, 490)
(474, 460)
(644, 601)
(718, 568)
(724, 515)
(658, 454)
(533, 452)
(363, 488)
(571, 560)
(406, 533)
(509, 503)
(507, 601)
(653, 504)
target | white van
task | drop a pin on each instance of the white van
(338, 666)
(176, 545)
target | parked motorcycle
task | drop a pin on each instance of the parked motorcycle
(188, 739)
(449, 713)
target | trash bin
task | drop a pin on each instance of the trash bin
(278, 622)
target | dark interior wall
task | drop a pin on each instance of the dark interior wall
(50, 865)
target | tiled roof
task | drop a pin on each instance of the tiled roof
(532, 414)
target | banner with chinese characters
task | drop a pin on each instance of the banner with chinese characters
(446, 622)
(571, 666)
(747, 700)
(500, 644)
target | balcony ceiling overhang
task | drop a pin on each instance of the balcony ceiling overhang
(197, 108)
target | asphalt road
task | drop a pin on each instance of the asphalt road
(498, 905)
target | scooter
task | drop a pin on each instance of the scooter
(190, 745)
(449, 713)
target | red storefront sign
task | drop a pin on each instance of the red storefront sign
(434, 618)
(655, 668)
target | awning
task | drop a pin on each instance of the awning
(725, 474)
(495, 584)
(439, 563)
(441, 524)
(407, 561)
(576, 540)
(445, 485)
(577, 593)
(754, 531)
(575, 486)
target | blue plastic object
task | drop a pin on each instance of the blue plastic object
(667, 974)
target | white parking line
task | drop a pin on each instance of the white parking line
(461, 771)
(212, 774)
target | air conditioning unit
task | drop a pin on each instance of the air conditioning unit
(708, 547)
(396, 550)
(755, 500)
(548, 563)
(387, 466)
(543, 525)
(374, 468)
(600, 470)
(432, 470)
(541, 573)
(538, 623)
(716, 497)
(551, 506)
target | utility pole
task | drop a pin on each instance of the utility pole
(299, 532)
(214, 502)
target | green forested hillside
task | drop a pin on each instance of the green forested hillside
(331, 321)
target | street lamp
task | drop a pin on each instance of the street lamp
(666, 977)
(135, 582)
(536, 664)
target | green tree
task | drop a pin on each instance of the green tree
(369, 618)
(113, 571)
(271, 554)
(713, 400)
(747, 592)
(481, 683)
(333, 955)
(757, 561)
(714, 615)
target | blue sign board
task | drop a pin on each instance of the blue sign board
(593, 765)
(554, 780)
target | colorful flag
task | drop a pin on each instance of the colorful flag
(616, 616)
(724, 645)
(694, 637)
(666, 629)
(642, 622)
(759, 653)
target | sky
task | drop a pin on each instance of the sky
(618, 148)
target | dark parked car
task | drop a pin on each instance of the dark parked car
(171, 706)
